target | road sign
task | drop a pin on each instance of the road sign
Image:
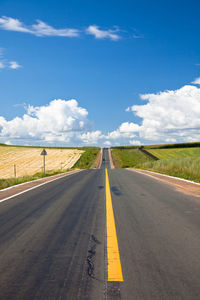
(44, 153)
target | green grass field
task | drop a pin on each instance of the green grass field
(125, 158)
(175, 153)
(179, 162)
(185, 167)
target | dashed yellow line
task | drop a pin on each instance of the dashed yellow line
(114, 264)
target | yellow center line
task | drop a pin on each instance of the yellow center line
(114, 264)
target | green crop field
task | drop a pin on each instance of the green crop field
(175, 152)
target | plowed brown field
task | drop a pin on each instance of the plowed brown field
(28, 161)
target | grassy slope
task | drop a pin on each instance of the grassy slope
(175, 152)
(124, 158)
(179, 162)
(88, 158)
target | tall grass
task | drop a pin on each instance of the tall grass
(186, 167)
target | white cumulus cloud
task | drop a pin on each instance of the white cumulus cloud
(170, 115)
(102, 34)
(166, 117)
(91, 138)
(125, 130)
(60, 120)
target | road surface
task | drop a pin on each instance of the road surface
(53, 239)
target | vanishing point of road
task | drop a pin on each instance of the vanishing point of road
(100, 234)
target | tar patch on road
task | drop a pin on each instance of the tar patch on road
(100, 187)
(116, 191)
(91, 256)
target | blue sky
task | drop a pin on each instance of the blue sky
(129, 64)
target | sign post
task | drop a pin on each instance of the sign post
(15, 173)
(43, 153)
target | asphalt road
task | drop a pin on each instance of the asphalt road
(53, 239)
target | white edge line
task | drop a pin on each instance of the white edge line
(36, 180)
(164, 175)
(34, 187)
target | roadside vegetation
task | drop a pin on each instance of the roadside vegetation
(179, 160)
(7, 182)
(88, 159)
(186, 167)
(129, 158)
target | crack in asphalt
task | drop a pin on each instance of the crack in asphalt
(91, 255)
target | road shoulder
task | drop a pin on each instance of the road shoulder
(184, 186)
(15, 190)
